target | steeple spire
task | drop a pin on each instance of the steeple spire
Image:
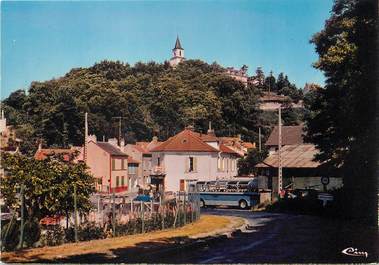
(177, 44)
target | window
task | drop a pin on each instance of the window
(219, 164)
(159, 161)
(191, 164)
(117, 181)
(117, 164)
(132, 168)
(122, 181)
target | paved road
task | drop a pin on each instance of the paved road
(283, 238)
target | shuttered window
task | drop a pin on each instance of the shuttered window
(191, 164)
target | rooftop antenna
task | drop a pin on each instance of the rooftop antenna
(119, 118)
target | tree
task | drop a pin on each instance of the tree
(246, 165)
(270, 83)
(341, 117)
(48, 185)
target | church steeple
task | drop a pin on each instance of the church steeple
(177, 44)
(177, 53)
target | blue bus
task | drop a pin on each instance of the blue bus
(240, 193)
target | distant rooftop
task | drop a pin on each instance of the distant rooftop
(290, 135)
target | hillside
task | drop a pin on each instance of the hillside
(153, 98)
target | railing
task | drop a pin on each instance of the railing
(117, 213)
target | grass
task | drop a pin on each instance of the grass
(207, 225)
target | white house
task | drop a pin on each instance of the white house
(191, 156)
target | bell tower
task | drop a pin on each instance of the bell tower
(177, 53)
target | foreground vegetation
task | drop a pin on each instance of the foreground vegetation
(207, 224)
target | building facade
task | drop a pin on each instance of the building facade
(141, 152)
(108, 165)
(190, 156)
(238, 74)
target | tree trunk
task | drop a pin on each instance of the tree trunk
(67, 216)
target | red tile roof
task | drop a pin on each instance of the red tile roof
(185, 141)
(110, 149)
(290, 135)
(42, 154)
(228, 150)
(248, 145)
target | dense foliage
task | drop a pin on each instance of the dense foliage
(48, 185)
(341, 117)
(153, 98)
(246, 165)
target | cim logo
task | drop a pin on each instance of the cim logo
(354, 252)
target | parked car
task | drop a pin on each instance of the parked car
(143, 198)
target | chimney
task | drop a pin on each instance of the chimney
(92, 138)
(122, 142)
(113, 141)
(210, 130)
(155, 139)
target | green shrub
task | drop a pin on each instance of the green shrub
(53, 236)
(12, 238)
(32, 232)
(88, 231)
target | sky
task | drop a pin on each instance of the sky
(44, 40)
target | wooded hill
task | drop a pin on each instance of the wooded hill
(153, 98)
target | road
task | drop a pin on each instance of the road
(283, 238)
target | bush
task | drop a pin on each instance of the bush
(88, 231)
(53, 236)
(32, 232)
(12, 239)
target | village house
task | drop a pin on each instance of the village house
(190, 156)
(141, 152)
(108, 164)
(8, 141)
(237, 145)
(299, 168)
(291, 135)
(238, 74)
(272, 101)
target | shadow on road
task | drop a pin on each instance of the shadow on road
(270, 238)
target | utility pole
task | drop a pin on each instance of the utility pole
(75, 215)
(269, 83)
(85, 136)
(280, 180)
(113, 214)
(259, 139)
(22, 217)
(119, 118)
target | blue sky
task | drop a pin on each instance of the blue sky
(43, 40)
